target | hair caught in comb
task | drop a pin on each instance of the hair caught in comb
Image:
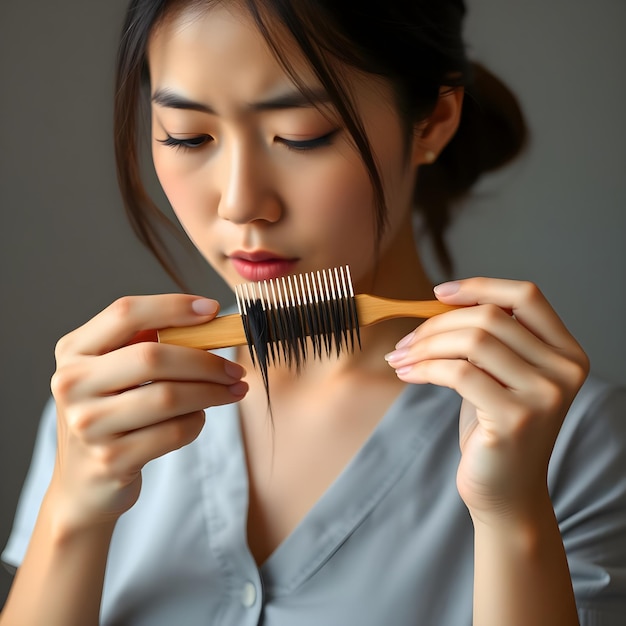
(286, 319)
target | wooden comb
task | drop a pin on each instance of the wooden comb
(320, 305)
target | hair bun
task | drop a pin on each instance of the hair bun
(492, 132)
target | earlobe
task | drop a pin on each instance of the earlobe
(433, 134)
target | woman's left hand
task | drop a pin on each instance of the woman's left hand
(518, 370)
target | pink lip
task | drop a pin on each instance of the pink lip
(261, 265)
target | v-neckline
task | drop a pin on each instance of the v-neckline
(383, 458)
(359, 486)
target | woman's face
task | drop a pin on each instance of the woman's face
(264, 183)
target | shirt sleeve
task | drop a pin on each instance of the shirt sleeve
(587, 482)
(35, 485)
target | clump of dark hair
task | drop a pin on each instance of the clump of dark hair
(416, 45)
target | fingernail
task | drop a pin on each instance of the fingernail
(447, 289)
(403, 371)
(396, 355)
(238, 389)
(405, 341)
(204, 306)
(234, 370)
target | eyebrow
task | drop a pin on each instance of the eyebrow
(292, 100)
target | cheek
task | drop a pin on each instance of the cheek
(180, 187)
(185, 199)
(337, 198)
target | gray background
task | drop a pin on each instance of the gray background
(556, 217)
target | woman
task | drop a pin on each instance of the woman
(291, 137)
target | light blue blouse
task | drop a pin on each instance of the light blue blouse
(390, 542)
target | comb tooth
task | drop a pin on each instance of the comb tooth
(318, 318)
(238, 299)
(341, 281)
(353, 312)
(314, 319)
(294, 325)
(348, 336)
(296, 315)
(301, 346)
(280, 334)
(340, 325)
(349, 279)
(349, 343)
(256, 304)
(259, 328)
(318, 313)
(342, 336)
(290, 331)
(288, 322)
(246, 319)
(271, 323)
(306, 312)
(325, 302)
(316, 330)
(330, 330)
(280, 310)
(268, 342)
(335, 331)
(345, 309)
(324, 308)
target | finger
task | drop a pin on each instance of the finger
(120, 322)
(523, 299)
(144, 406)
(144, 335)
(127, 455)
(476, 345)
(507, 410)
(502, 412)
(469, 381)
(137, 364)
(486, 322)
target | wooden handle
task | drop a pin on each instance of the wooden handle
(222, 332)
(373, 309)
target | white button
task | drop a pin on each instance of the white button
(248, 595)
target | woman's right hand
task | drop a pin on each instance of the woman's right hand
(121, 403)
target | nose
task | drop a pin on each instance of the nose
(247, 191)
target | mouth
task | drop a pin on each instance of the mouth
(261, 265)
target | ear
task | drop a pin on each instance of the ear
(433, 134)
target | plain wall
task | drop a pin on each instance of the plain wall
(556, 217)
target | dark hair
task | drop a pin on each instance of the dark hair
(416, 45)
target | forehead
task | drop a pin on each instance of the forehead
(221, 43)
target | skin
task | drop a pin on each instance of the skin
(244, 188)
(506, 353)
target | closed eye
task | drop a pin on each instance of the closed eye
(308, 144)
(188, 143)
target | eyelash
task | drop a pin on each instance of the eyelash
(186, 144)
(298, 146)
(308, 144)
